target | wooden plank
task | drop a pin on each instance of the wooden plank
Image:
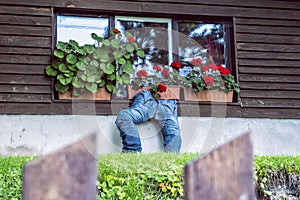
(267, 39)
(269, 70)
(33, 89)
(25, 10)
(209, 177)
(25, 98)
(31, 41)
(269, 78)
(26, 50)
(269, 86)
(273, 22)
(271, 103)
(25, 20)
(186, 109)
(268, 63)
(268, 47)
(168, 8)
(275, 94)
(36, 108)
(25, 30)
(73, 168)
(26, 59)
(274, 30)
(22, 69)
(269, 55)
(254, 3)
(24, 79)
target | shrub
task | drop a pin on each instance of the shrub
(159, 176)
(11, 177)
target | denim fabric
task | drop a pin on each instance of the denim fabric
(143, 108)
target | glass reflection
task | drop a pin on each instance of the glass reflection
(151, 37)
(210, 39)
(81, 28)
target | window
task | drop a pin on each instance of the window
(163, 39)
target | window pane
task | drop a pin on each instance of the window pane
(209, 38)
(151, 35)
(81, 28)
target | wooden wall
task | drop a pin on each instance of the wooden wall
(267, 37)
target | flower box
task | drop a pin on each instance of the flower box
(208, 95)
(173, 92)
(102, 94)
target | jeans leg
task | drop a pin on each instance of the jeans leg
(168, 121)
(142, 109)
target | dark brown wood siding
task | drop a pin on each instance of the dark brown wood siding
(267, 42)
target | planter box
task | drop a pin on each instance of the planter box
(173, 92)
(102, 94)
(207, 95)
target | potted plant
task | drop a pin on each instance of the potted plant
(162, 81)
(210, 83)
(90, 69)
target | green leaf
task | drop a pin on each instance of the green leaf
(73, 43)
(80, 65)
(96, 37)
(63, 68)
(129, 48)
(115, 43)
(92, 87)
(61, 88)
(64, 80)
(50, 71)
(109, 69)
(140, 53)
(58, 53)
(71, 58)
(101, 83)
(127, 55)
(110, 87)
(126, 79)
(128, 68)
(106, 42)
(121, 61)
(94, 63)
(73, 67)
(111, 77)
(118, 54)
(77, 83)
(88, 48)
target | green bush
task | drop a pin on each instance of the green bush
(142, 176)
(159, 176)
(11, 177)
(277, 177)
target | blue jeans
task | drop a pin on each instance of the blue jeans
(143, 108)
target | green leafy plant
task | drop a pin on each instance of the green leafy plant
(86, 68)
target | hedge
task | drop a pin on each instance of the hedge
(159, 176)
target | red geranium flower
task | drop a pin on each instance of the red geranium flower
(176, 65)
(223, 70)
(196, 62)
(131, 39)
(141, 73)
(165, 73)
(214, 67)
(161, 87)
(116, 31)
(205, 68)
(208, 80)
(157, 68)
